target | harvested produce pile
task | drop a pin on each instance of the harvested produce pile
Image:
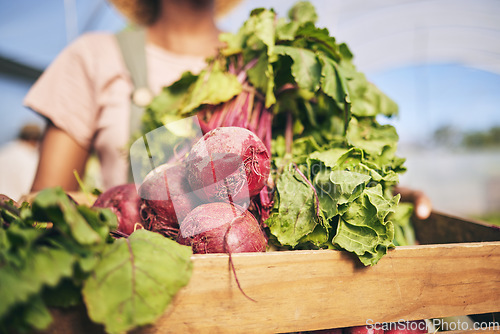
(334, 165)
(128, 255)
(202, 200)
(292, 157)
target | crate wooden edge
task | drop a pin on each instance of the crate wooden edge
(308, 290)
(443, 228)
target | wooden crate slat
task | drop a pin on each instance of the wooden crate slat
(307, 290)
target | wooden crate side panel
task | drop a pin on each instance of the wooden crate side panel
(307, 290)
(442, 228)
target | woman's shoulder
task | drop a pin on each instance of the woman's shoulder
(95, 43)
(99, 55)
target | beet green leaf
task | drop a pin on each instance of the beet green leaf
(136, 280)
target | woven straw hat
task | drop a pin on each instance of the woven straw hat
(144, 12)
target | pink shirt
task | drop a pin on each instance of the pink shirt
(86, 92)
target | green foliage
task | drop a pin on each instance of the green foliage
(295, 216)
(44, 266)
(136, 280)
(334, 188)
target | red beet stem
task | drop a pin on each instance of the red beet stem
(231, 264)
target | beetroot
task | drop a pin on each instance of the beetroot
(5, 198)
(124, 201)
(221, 227)
(363, 330)
(166, 198)
(228, 164)
(409, 327)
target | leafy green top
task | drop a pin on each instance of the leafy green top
(335, 164)
(124, 283)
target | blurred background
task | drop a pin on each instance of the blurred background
(439, 60)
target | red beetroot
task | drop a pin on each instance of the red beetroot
(5, 198)
(409, 327)
(363, 330)
(166, 199)
(221, 227)
(228, 164)
(124, 201)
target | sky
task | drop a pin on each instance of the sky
(12, 113)
(436, 95)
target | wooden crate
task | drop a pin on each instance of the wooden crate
(454, 271)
